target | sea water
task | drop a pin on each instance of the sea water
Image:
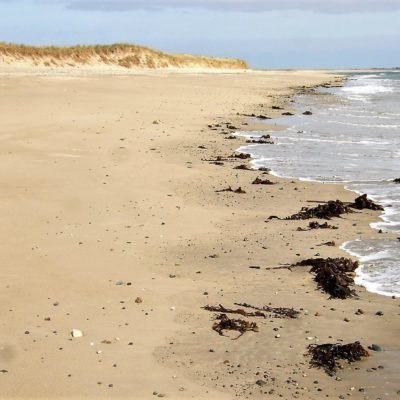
(352, 138)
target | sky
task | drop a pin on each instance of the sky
(266, 33)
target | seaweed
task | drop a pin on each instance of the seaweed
(221, 309)
(242, 156)
(239, 190)
(259, 181)
(240, 325)
(326, 355)
(264, 169)
(243, 167)
(362, 202)
(323, 211)
(332, 275)
(259, 141)
(317, 225)
(277, 312)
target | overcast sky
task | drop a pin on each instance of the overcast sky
(266, 33)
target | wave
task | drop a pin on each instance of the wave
(367, 89)
(365, 125)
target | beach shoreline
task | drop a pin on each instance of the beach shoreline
(120, 213)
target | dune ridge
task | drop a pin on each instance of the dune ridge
(118, 55)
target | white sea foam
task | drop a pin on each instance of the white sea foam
(370, 88)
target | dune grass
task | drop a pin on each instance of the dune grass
(122, 54)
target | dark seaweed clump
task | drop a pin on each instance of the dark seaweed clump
(326, 356)
(333, 275)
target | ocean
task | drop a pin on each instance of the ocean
(351, 138)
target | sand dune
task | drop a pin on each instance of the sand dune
(120, 56)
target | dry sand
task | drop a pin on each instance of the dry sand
(106, 198)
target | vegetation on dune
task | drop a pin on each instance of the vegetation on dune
(118, 54)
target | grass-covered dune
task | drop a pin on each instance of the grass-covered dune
(114, 55)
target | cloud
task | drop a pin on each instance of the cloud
(319, 6)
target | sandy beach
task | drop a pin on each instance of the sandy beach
(112, 225)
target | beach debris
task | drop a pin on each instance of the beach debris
(287, 113)
(138, 300)
(76, 333)
(259, 181)
(307, 113)
(221, 309)
(243, 167)
(264, 169)
(239, 190)
(327, 355)
(362, 202)
(240, 325)
(242, 156)
(219, 163)
(397, 180)
(276, 108)
(217, 159)
(230, 137)
(323, 211)
(333, 275)
(317, 225)
(260, 116)
(330, 243)
(332, 209)
(276, 312)
(156, 122)
(259, 141)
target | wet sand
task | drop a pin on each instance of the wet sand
(111, 224)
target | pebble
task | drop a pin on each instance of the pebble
(138, 300)
(375, 347)
(380, 313)
(76, 333)
(278, 336)
(260, 382)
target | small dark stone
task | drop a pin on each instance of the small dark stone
(375, 347)
(380, 313)
(260, 382)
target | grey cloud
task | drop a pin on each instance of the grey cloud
(322, 6)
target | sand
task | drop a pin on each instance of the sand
(111, 225)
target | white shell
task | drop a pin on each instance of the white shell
(75, 333)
